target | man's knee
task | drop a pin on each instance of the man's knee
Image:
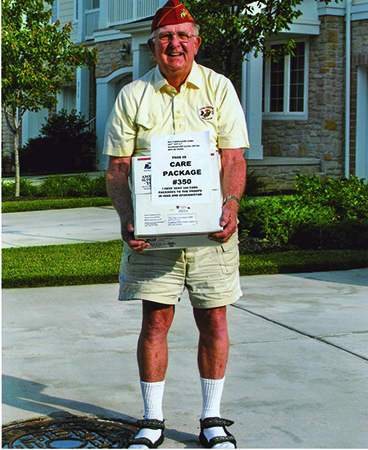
(211, 322)
(157, 319)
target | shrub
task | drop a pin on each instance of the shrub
(78, 186)
(349, 198)
(81, 185)
(346, 234)
(327, 214)
(7, 189)
(98, 186)
(55, 186)
(279, 218)
(253, 185)
(27, 188)
(65, 145)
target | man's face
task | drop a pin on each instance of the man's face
(175, 58)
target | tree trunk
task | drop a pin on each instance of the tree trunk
(14, 121)
(16, 160)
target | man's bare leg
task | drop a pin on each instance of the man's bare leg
(213, 352)
(213, 346)
(152, 351)
(152, 355)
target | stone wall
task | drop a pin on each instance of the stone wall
(279, 173)
(321, 136)
(359, 37)
(110, 58)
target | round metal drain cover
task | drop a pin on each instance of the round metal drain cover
(67, 433)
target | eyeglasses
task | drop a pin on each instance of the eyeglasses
(168, 36)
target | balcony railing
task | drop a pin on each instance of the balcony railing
(91, 23)
(124, 11)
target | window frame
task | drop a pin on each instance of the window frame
(286, 114)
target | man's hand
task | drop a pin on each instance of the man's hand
(127, 233)
(233, 182)
(228, 222)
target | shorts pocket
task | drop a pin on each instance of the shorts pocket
(228, 255)
(148, 265)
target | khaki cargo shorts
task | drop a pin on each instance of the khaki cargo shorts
(210, 274)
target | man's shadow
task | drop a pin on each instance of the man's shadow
(29, 396)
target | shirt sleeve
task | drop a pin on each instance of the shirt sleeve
(232, 128)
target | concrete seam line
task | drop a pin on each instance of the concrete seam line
(303, 333)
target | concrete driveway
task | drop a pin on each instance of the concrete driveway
(297, 375)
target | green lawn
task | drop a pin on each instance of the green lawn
(52, 203)
(95, 263)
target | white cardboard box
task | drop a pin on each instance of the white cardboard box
(174, 226)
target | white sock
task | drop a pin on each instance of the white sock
(211, 397)
(153, 394)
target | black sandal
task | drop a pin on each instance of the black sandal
(211, 422)
(153, 424)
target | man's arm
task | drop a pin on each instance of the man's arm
(120, 196)
(233, 183)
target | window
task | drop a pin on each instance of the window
(92, 4)
(92, 17)
(285, 85)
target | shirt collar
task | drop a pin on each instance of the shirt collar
(194, 78)
(158, 80)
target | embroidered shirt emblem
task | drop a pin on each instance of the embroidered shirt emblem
(206, 113)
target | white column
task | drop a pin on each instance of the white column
(252, 104)
(141, 56)
(81, 21)
(82, 81)
(105, 101)
(104, 15)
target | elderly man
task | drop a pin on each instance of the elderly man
(169, 100)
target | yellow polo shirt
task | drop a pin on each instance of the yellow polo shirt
(151, 107)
